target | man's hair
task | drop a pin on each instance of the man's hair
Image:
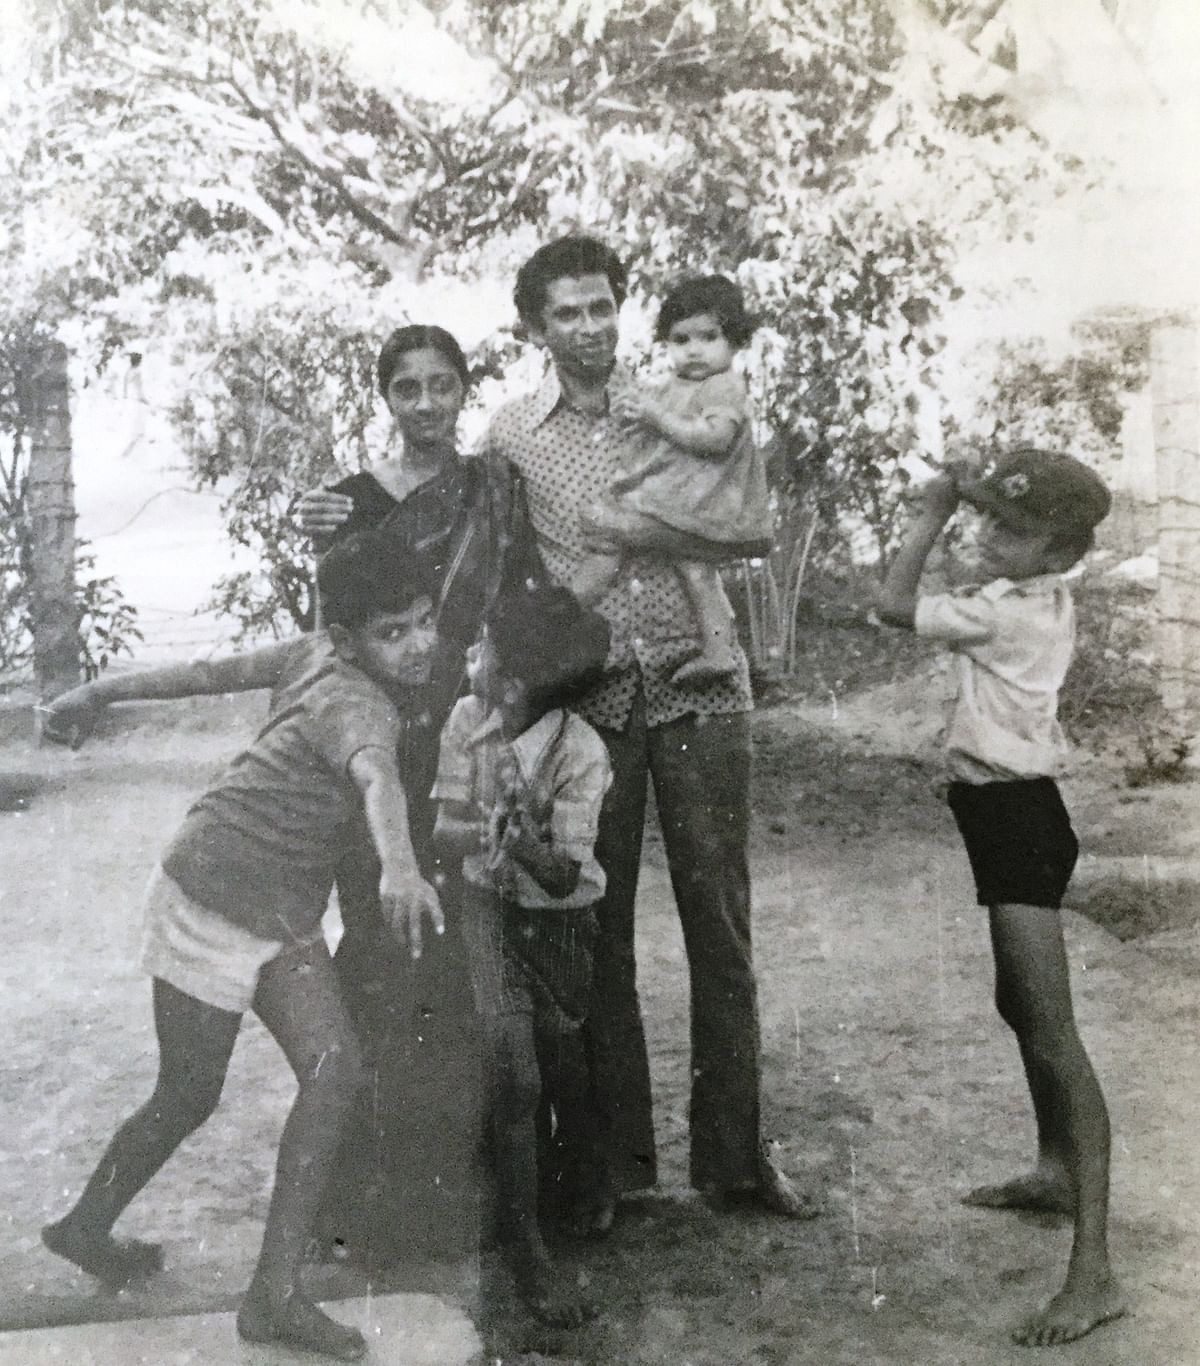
(542, 637)
(567, 258)
(369, 573)
(419, 337)
(713, 294)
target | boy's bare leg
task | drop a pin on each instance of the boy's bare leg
(717, 656)
(299, 1002)
(195, 1042)
(1033, 996)
(515, 1093)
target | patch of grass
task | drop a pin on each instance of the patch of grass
(1134, 910)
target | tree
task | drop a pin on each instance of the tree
(266, 190)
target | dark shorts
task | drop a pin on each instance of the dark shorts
(1019, 840)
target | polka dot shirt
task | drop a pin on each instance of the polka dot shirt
(568, 458)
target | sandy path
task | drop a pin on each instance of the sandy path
(887, 1078)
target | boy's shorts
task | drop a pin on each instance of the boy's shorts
(1019, 840)
(198, 951)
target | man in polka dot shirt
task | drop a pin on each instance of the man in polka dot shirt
(691, 739)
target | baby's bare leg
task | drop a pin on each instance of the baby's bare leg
(596, 576)
(1033, 995)
(713, 622)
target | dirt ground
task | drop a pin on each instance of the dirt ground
(888, 1081)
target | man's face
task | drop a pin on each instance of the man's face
(395, 649)
(579, 326)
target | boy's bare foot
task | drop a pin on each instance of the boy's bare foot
(111, 1262)
(1038, 1191)
(705, 668)
(297, 1322)
(1072, 1314)
(551, 1297)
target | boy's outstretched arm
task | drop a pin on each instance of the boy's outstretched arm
(72, 715)
(896, 598)
(404, 894)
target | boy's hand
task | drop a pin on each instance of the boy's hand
(71, 718)
(938, 495)
(320, 513)
(406, 897)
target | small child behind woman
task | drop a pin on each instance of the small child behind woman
(697, 493)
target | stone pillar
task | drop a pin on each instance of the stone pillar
(1175, 383)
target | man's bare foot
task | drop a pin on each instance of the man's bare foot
(551, 1297)
(1037, 1191)
(111, 1262)
(1072, 1314)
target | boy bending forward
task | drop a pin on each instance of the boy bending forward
(1013, 637)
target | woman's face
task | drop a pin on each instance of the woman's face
(425, 396)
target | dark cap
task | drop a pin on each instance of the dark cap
(1036, 490)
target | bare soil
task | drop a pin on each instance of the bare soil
(888, 1081)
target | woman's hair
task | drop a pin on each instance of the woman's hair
(419, 337)
(567, 258)
(715, 294)
(372, 572)
(544, 638)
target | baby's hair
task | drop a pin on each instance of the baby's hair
(715, 294)
(419, 337)
(371, 573)
(543, 638)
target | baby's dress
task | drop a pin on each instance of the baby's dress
(721, 499)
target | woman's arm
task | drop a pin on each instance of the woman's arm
(404, 894)
(71, 717)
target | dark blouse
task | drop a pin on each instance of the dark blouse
(471, 523)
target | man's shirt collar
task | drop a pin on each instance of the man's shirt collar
(549, 394)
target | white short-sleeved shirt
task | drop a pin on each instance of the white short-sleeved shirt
(560, 770)
(1013, 643)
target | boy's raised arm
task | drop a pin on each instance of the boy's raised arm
(896, 598)
(404, 894)
(72, 715)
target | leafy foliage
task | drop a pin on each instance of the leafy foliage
(265, 190)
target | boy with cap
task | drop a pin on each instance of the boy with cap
(1013, 635)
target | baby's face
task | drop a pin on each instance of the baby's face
(698, 348)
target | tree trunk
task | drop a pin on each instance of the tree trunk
(1175, 377)
(56, 644)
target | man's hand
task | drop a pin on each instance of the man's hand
(406, 898)
(70, 718)
(320, 513)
